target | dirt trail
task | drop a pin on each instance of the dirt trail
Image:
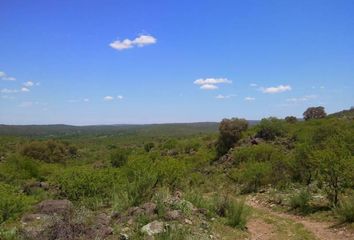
(322, 230)
(260, 230)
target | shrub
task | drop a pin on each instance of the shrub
(230, 133)
(49, 151)
(270, 128)
(253, 175)
(345, 210)
(149, 146)
(237, 214)
(300, 202)
(119, 158)
(291, 119)
(12, 202)
(18, 168)
(336, 167)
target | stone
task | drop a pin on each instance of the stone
(123, 236)
(52, 207)
(149, 208)
(188, 221)
(153, 228)
(172, 215)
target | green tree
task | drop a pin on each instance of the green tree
(270, 128)
(230, 133)
(314, 113)
(291, 119)
(336, 167)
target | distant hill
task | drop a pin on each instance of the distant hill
(59, 130)
(173, 129)
(345, 113)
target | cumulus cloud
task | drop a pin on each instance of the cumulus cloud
(220, 96)
(6, 90)
(278, 89)
(301, 99)
(209, 87)
(108, 98)
(28, 84)
(210, 83)
(120, 97)
(24, 89)
(5, 77)
(140, 41)
(249, 99)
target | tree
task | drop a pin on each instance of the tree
(149, 146)
(314, 113)
(270, 128)
(336, 167)
(230, 133)
(291, 119)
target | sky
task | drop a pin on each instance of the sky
(110, 62)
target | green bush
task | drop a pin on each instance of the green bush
(119, 158)
(48, 151)
(18, 168)
(270, 128)
(149, 146)
(230, 133)
(12, 202)
(252, 175)
(345, 210)
(237, 214)
(301, 202)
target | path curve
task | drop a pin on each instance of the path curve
(321, 230)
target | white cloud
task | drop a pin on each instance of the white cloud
(24, 89)
(210, 83)
(6, 90)
(86, 100)
(25, 104)
(5, 77)
(249, 99)
(108, 98)
(301, 99)
(278, 89)
(220, 96)
(28, 84)
(141, 41)
(209, 87)
(253, 85)
(202, 81)
(120, 97)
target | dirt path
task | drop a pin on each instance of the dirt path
(260, 230)
(322, 230)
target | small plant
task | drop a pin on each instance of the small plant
(300, 202)
(173, 234)
(345, 210)
(237, 214)
(119, 158)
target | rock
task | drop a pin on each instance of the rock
(53, 207)
(103, 219)
(149, 208)
(34, 226)
(204, 225)
(123, 236)
(153, 228)
(133, 211)
(172, 215)
(188, 221)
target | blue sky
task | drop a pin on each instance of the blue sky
(102, 62)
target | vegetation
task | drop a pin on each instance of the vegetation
(189, 180)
